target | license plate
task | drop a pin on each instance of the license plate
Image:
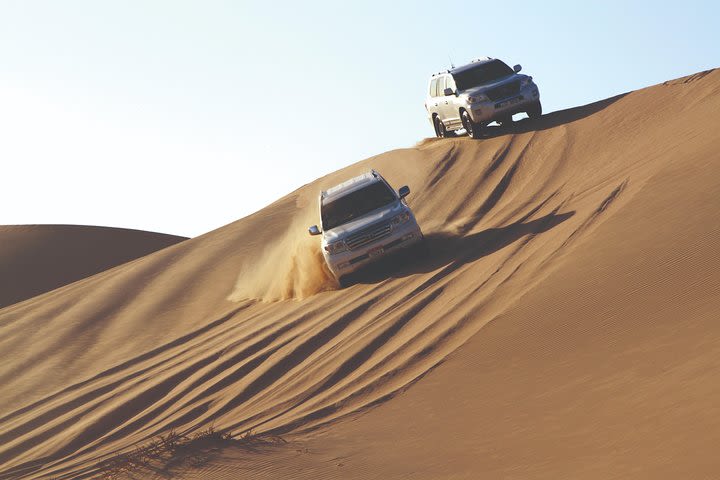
(375, 252)
(512, 101)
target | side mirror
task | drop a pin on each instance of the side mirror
(517, 68)
(314, 230)
(404, 191)
(448, 91)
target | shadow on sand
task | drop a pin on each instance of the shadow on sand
(549, 120)
(452, 251)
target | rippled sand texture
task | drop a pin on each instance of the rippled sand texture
(561, 320)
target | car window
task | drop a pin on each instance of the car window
(449, 82)
(338, 211)
(482, 73)
(433, 87)
(441, 86)
(437, 86)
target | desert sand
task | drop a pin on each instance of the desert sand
(561, 321)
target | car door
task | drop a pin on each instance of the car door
(432, 99)
(448, 104)
(438, 99)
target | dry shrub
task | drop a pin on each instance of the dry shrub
(174, 450)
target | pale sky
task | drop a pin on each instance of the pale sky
(183, 116)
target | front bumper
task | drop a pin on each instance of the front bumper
(349, 261)
(490, 110)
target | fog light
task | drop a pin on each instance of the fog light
(402, 218)
(336, 247)
(408, 237)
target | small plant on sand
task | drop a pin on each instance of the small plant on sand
(174, 450)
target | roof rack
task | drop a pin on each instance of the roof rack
(476, 60)
(373, 172)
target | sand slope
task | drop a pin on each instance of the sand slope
(558, 324)
(35, 259)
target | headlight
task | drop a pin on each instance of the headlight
(477, 98)
(336, 247)
(402, 218)
(526, 81)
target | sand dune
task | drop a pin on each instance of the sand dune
(35, 259)
(559, 322)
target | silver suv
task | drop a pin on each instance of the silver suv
(363, 219)
(473, 95)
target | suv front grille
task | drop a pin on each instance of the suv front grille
(369, 235)
(504, 91)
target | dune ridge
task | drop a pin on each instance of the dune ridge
(35, 259)
(111, 361)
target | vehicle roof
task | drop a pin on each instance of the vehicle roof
(470, 65)
(350, 185)
(463, 68)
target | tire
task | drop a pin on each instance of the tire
(440, 130)
(535, 110)
(474, 130)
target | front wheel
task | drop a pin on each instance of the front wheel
(474, 130)
(440, 130)
(535, 110)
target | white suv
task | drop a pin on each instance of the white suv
(363, 219)
(473, 95)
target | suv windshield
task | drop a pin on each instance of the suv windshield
(355, 204)
(481, 74)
